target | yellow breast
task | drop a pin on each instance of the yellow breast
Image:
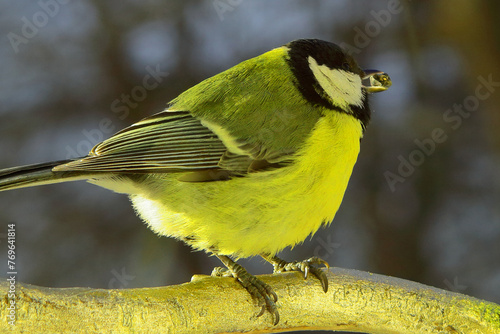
(266, 211)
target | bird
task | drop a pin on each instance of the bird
(246, 163)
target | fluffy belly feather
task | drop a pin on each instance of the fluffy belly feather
(262, 212)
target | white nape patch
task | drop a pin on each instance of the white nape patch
(343, 87)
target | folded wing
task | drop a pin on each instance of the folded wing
(165, 142)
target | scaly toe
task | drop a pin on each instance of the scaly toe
(320, 274)
(221, 272)
(259, 290)
(308, 266)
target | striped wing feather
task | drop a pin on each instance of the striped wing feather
(165, 142)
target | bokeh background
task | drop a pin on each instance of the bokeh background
(423, 202)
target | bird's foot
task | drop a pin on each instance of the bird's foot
(259, 290)
(306, 266)
(221, 272)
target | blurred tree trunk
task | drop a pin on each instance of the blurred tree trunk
(474, 28)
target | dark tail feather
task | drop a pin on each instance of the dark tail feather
(35, 175)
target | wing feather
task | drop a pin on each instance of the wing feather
(165, 142)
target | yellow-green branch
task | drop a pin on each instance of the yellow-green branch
(356, 301)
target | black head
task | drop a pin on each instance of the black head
(329, 77)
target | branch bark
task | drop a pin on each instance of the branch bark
(356, 301)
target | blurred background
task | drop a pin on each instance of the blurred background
(423, 201)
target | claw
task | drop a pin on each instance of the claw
(306, 266)
(259, 290)
(276, 318)
(262, 310)
(321, 276)
(275, 296)
(221, 272)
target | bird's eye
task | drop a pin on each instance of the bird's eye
(346, 67)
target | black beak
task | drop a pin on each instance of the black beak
(376, 81)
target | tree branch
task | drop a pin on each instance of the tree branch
(356, 301)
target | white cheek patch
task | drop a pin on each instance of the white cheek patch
(343, 87)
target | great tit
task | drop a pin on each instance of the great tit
(247, 162)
